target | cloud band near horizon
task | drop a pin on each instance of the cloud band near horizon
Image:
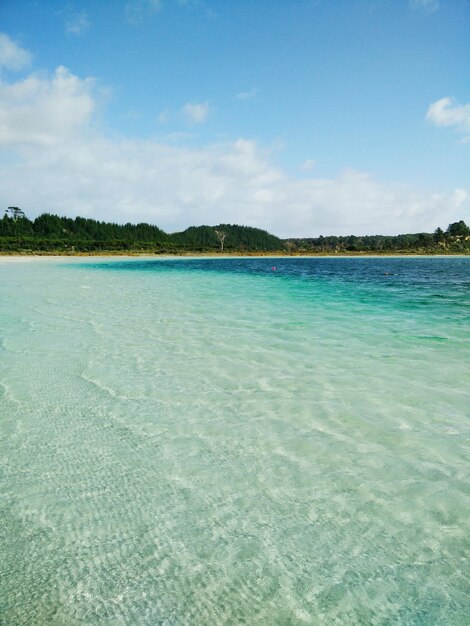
(55, 159)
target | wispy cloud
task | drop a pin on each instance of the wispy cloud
(192, 113)
(247, 95)
(13, 56)
(308, 165)
(164, 117)
(197, 4)
(196, 113)
(446, 112)
(430, 6)
(77, 23)
(136, 10)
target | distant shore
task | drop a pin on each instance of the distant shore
(52, 235)
(32, 256)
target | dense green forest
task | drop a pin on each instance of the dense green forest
(65, 235)
(51, 233)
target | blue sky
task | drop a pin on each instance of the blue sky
(299, 116)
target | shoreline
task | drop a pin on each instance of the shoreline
(15, 258)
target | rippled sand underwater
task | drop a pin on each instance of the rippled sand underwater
(211, 442)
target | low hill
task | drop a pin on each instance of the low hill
(229, 237)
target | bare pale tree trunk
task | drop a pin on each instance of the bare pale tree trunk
(221, 237)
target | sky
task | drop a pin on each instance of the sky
(301, 117)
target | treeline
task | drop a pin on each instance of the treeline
(456, 239)
(52, 233)
(63, 234)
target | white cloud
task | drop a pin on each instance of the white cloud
(427, 5)
(196, 113)
(77, 23)
(44, 110)
(12, 56)
(53, 159)
(445, 112)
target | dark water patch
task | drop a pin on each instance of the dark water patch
(427, 272)
(412, 284)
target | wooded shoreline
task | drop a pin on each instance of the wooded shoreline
(63, 236)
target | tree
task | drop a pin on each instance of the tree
(14, 212)
(221, 237)
(458, 229)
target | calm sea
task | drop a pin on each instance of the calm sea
(237, 441)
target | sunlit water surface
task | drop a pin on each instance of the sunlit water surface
(210, 442)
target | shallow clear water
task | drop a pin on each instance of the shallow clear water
(217, 442)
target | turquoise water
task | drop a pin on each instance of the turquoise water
(217, 442)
